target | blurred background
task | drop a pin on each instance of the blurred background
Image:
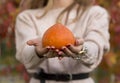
(11, 71)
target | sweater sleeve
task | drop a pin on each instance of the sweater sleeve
(96, 37)
(24, 31)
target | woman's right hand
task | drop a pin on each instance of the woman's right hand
(47, 52)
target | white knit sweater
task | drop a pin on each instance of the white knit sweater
(92, 27)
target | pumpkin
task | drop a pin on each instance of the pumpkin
(58, 35)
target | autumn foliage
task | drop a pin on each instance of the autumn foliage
(111, 61)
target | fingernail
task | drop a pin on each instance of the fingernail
(68, 45)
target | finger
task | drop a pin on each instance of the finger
(57, 50)
(53, 51)
(74, 49)
(61, 54)
(79, 42)
(67, 52)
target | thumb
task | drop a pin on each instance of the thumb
(79, 42)
(32, 42)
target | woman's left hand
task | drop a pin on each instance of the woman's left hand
(72, 50)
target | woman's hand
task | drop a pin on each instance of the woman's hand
(72, 50)
(47, 52)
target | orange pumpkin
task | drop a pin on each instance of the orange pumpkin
(58, 35)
